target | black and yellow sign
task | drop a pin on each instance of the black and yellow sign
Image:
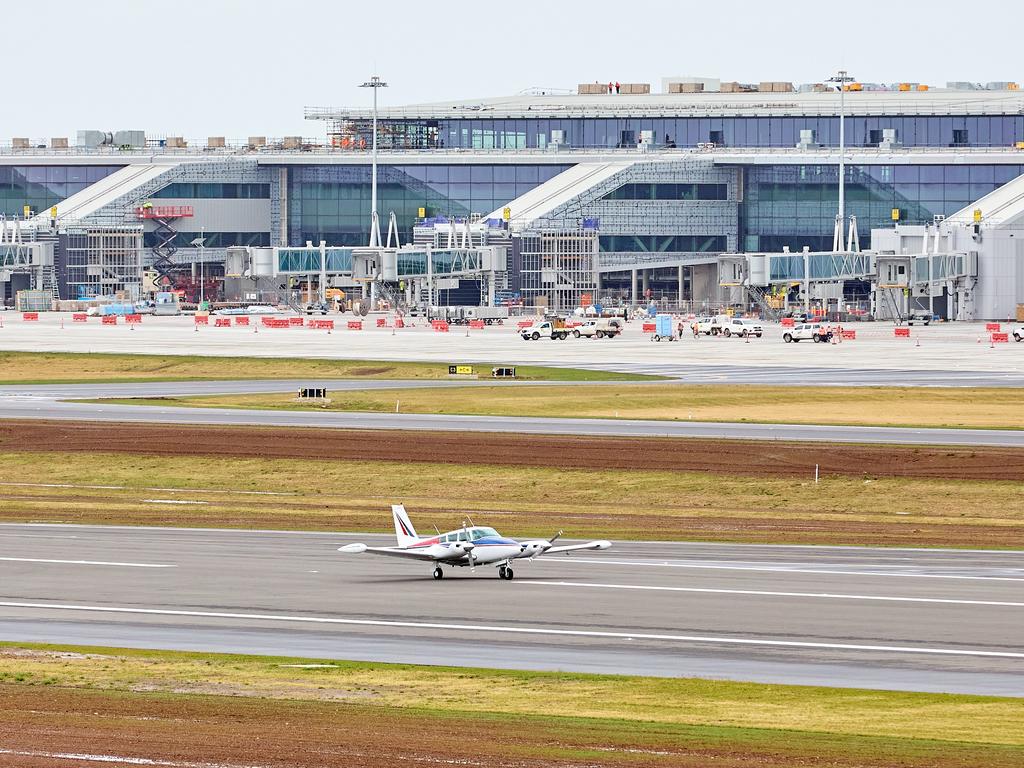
(460, 370)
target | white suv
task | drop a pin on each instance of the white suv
(742, 327)
(815, 331)
(702, 325)
(1018, 333)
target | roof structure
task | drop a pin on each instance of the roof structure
(710, 104)
(1003, 208)
(105, 191)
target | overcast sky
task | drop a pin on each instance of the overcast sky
(244, 67)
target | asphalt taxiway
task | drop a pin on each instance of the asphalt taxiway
(923, 620)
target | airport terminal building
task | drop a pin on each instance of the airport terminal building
(610, 194)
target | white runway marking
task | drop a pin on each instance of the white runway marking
(499, 629)
(87, 758)
(755, 592)
(838, 571)
(84, 562)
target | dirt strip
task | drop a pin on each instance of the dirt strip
(750, 458)
(45, 727)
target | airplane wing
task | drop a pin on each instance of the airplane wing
(577, 547)
(411, 554)
(434, 554)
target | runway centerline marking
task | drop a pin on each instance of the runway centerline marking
(765, 593)
(84, 562)
(535, 631)
(777, 569)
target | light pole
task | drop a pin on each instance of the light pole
(841, 79)
(375, 83)
(200, 243)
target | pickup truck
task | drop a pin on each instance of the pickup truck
(606, 327)
(1018, 333)
(702, 325)
(816, 331)
(554, 328)
(742, 327)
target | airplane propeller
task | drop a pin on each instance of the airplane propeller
(469, 548)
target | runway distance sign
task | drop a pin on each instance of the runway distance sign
(460, 370)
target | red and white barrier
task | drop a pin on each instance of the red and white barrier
(241, 320)
(902, 333)
(133, 319)
(30, 317)
(993, 327)
(109, 320)
(476, 324)
(79, 317)
(1001, 338)
(355, 325)
(222, 322)
(202, 319)
(297, 322)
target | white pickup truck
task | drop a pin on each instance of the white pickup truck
(739, 326)
(601, 328)
(1018, 333)
(815, 331)
(549, 329)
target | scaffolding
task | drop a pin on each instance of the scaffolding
(101, 261)
(557, 267)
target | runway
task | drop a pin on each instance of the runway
(50, 402)
(921, 620)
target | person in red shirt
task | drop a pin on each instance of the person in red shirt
(617, 86)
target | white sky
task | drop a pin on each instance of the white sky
(244, 67)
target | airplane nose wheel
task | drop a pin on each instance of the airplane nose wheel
(504, 572)
(438, 573)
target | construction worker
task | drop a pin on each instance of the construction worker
(617, 86)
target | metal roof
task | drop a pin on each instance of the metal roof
(712, 104)
(1003, 208)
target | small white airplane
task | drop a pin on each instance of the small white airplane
(470, 546)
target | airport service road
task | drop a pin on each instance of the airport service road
(22, 403)
(896, 619)
(940, 355)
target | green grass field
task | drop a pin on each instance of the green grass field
(70, 368)
(782, 725)
(876, 406)
(110, 488)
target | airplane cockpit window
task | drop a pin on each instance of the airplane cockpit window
(483, 533)
(462, 536)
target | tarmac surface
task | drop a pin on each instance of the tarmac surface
(920, 620)
(47, 402)
(948, 354)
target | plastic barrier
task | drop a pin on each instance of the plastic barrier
(297, 322)
(109, 320)
(275, 322)
(440, 325)
(241, 321)
(788, 322)
(202, 319)
(327, 325)
(524, 324)
(649, 327)
(1000, 338)
(79, 317)
(902, 333)
(382, 322)
(135, 319)
(851, 335)
(993, 327)
(355, 325)
(477, 324)
(399, 322)
(222, 322)
(30, 316)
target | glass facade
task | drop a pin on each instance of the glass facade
(213, 239)
(669, 192)
(332, 203)
(205, 191)
(796, 206)
(862, 131)
(662, 243)
(308, 260)
(43, 186)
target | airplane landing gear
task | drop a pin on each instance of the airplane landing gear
(438, 573)
(505, 572)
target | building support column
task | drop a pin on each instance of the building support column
(681, 285)
(646, 282)
(632, 288)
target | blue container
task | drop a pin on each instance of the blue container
(663, 325)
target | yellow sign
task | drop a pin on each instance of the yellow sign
(895, 214)
(507, 214)
(422, 213)
(53, 212)
(464, 370)
(977, 215)
(27, 211)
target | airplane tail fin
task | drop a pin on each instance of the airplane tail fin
(403, 526)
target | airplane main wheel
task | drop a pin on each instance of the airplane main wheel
(438, 573)
(504, 572)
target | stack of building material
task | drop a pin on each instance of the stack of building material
(257, 141)
(20, 143)
(215, 142)
(686, 87)
(175, 142)
(635, 88)
(59, 143)
(735, 87)
(773, 86)
(291, 142)
(591, 89)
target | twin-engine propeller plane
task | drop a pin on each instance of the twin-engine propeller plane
(470, 546)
